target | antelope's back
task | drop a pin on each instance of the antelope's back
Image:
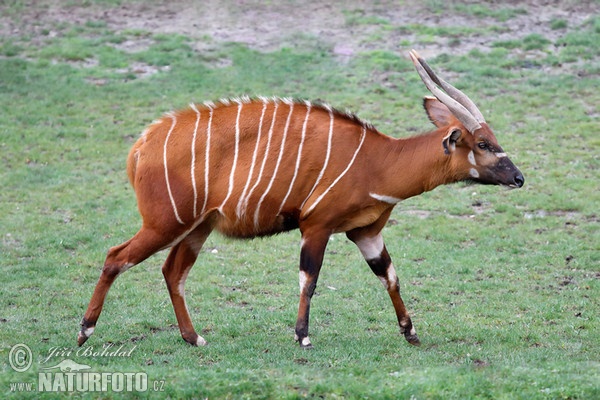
(262, 163)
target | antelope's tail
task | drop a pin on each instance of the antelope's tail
(132, 160)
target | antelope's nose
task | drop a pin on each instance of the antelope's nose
(519, 181)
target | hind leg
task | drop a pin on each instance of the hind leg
(175, 270)
(118, 260)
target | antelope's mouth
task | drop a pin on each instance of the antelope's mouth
(518, 182)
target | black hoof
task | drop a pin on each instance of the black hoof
(196, 340)
(307, 347)
(81, 338)
(413, 339)
(87, 328)
(303, 342)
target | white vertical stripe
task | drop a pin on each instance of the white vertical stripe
(326, 157)
(298, 157)
(362, 140)
(167, 169)
(193, 167)
(235, 154)
(281, 149)
(266, 155)
(254, 156)
(207, 157)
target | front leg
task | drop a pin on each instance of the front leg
(374, 251)
(311, 259)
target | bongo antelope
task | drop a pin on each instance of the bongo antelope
(253, 167)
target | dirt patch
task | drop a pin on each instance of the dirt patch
(348, 27)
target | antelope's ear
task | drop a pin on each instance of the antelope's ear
(437, 112)
(449, 141)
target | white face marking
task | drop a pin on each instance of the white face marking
(384, 198)
(279, 157)
(298, 157)
(88, 332)
(167, 169)
(500, 155)
(193, 167)
(473, 172)
(200, 341)
(471, 158)
(371, 248)
(235, 154)
(362, 140)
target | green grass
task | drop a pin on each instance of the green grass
(475, 9)
(503, 286)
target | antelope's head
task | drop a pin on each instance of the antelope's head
(469, 141)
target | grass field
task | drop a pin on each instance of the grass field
(503, 286)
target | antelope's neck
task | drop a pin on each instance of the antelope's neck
(414, 165)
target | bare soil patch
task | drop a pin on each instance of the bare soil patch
(348, 26)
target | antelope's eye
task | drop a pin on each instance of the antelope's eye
(483, 145)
